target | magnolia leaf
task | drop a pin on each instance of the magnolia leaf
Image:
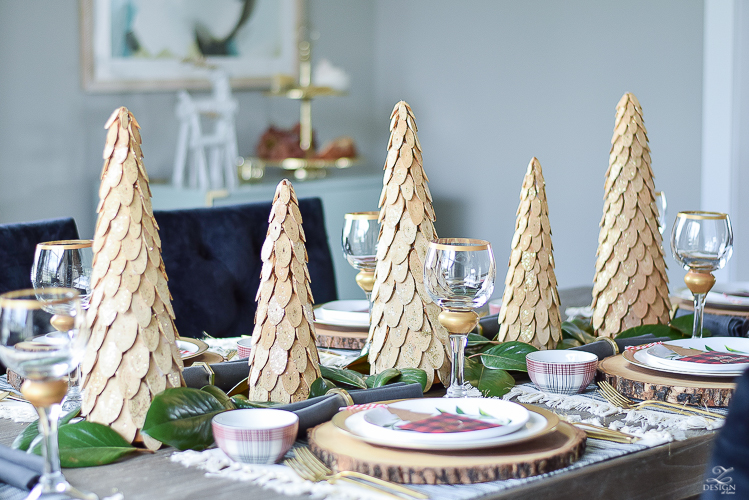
(343, 376)
(491, 382)
(383, 378)
(685, 324)
(181, 417)
(572, 330)
(360, 364)
(320, 387)
(241, 402)
(222, 397)
(87, 444)
(413, 376)
(568, 343)
(584, 325)
(507, 356)
(31, 431)
(657, 330)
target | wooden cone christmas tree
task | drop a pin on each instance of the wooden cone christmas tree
(530, 303)
(631, 285)
(284, 361)
(405, 332)
(132, 354)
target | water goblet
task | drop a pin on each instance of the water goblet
(43, 354)
(66, 264)
(459, 276)
(661, 205)
(359, 241)
(701, 242)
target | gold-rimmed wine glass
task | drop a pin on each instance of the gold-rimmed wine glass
(661, 205)
(459, 276)
(702, 242)
(359, 241)
(43, 354)
(65, 264)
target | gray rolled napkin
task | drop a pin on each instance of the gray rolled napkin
(315, 411)
(20, 469)
(722, 326)
(227, 374)
(604, 349)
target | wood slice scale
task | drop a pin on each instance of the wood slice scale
(340, 337)
(342, 451)
(640, 383)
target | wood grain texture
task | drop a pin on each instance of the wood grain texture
(641, 383)
(341, 451)
(340, 337)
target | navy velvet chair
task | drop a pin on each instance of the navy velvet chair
(17, 246)
(728, 471)
(212, 259)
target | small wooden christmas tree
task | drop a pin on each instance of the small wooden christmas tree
(404, 331)
(132, 354)
(631, 285)
(530, 303)
(284, 361)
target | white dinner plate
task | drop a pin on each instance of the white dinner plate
(539, 422)
(637, 359)
(516, 416)
(190, 348)
(721, 296)
(720, 344)
(343, 313)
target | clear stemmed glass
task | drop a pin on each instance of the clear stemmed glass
(43, 355)
(359, 240)
(459, 276)
(66, 264)
(701, 242)
(662, 205)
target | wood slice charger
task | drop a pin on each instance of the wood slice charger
(341, 450)
(640, 383)
(340, 337)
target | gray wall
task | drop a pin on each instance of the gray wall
(492, 83)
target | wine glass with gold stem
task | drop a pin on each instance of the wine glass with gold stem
(702, 242)
(359, 241)
(43, 354)
(65, 264)
(459, 277)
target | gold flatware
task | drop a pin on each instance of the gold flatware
(11, 397)
(309, 467)
(230, 354)
(611, 395)
(593, 431)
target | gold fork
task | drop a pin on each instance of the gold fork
(10, 396)
(614, 397)
(315, 470)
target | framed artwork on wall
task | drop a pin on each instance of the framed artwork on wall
(151, 45)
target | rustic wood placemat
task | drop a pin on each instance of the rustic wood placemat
(342, 451)
(641, 383)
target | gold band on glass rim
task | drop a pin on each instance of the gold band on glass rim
(460, 244)
(362, 216)
(65, 244)
(17, 300)
(697, 215)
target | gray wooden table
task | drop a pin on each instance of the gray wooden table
(671, 471)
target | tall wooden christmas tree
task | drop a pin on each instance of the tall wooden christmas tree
(132, 354)
(631, 285)
(530, 303)
(284, 361)
(404, 331)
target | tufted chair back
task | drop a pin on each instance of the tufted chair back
(212, 259)
(18, 244)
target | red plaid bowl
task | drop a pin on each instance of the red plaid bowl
(244, 347)
(255, 436)
(562, 371)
